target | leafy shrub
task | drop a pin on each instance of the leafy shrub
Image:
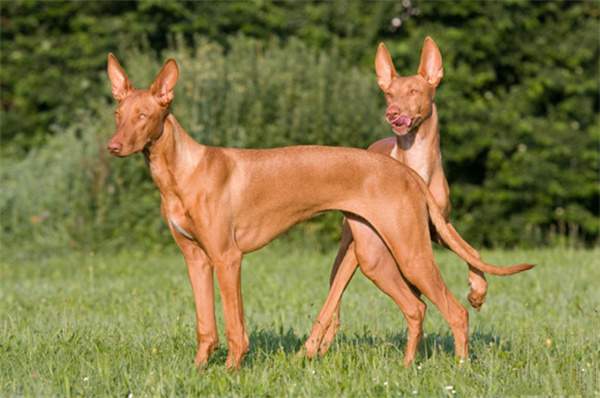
(518, 106)
(71, 192)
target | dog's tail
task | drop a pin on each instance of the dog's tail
(458, 245)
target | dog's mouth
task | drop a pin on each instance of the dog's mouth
(401, 124)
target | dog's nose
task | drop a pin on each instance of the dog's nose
(392, 113)
(114, 147)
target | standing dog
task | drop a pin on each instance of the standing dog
(221, 203)
(413, 118)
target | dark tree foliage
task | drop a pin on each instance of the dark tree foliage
(519, 103)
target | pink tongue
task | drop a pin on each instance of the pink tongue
(403, 120)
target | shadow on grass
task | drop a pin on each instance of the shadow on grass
(265, 343)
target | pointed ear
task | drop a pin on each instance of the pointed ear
(384, 67)
(121, 87)
(431, 63)
(165, 81)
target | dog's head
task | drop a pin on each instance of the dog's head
(140, 114)
(409, 99)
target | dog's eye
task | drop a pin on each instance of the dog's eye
(414, 92)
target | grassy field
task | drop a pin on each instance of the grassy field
(120, 324)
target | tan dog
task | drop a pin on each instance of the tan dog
(220, 203)
(412, 115)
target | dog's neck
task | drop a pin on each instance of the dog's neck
(171, 155)
(420, 148)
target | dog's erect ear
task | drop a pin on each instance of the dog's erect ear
(384, 67)
(121, 87)
(431, 62)
(165, 81)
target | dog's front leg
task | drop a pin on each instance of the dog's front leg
(228, 268)
(201, 277)
(200, 272)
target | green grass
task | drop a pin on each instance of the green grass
(98, 325)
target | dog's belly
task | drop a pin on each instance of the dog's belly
(251, 235)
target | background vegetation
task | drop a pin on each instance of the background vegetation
(518, 106)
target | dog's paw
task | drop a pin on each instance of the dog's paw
(476, 300)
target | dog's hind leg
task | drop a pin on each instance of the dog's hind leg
(408, 238)
(377, 263)
(424, 274)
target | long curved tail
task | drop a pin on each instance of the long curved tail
(458, 245)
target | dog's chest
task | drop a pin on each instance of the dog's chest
(177, 217)
(173, 209)
(417, 158)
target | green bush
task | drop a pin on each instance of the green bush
(49, 47)
(70, 191)
(518, 105)
(70, 194)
